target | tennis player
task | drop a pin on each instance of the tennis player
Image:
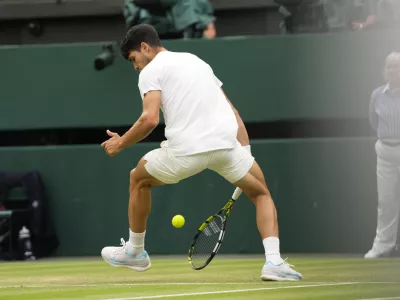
(203, 131)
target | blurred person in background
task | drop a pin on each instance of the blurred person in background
(386, 14)
(345, 15)
(301, 16)
(385, 120)
(173, 18)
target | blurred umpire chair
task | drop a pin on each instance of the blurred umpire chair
(23, 203)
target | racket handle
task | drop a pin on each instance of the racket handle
(236, 194)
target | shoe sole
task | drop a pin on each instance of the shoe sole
(380, 256)
(137, 269)
(278, 278)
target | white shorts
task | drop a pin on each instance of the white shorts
(232, 164)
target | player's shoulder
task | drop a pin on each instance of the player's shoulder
(150, 70)
(145, 73)
(189, 55)
(181, 53)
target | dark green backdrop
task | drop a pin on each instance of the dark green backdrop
(324, 189)
(267, 78)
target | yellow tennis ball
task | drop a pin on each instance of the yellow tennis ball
(178, 221)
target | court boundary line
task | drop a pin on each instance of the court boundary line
(232, 291)
(174, 283)
(126, 284)
(387, 298)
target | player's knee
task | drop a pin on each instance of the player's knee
(259, 191)
(136, 182)
(133, 178)
(259, 195)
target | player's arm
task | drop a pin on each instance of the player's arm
(148, 120)
(242, 135)
(373, 116)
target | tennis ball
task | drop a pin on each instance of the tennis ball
(178, 221)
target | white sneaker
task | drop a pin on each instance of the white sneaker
(119, 257)
(373, 253)
(282, 272)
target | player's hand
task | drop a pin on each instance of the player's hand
(112, 145)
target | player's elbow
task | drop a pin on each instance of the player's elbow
(151, 121)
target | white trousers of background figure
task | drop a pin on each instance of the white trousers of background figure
(388, 178)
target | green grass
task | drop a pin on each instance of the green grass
(334, 278)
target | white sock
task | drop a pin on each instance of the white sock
(135, 244)
(272, 254)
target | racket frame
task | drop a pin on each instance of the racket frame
(227, 209)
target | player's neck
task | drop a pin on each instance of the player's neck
(159, 50)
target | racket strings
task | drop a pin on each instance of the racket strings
(206, 242)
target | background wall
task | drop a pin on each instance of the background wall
(324, 188)
(267, 78)
(324, 191)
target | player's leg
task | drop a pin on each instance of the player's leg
(132, 254)
(158, 167)
(238, 166)
(254, 186)
(140, 185)
(388, 207)
(139, 207)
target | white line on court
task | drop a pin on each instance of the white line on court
(381, 282)
(390, 298)
(138, 284)
(147, 284)
(126, 284)
(233, 291)
(168, 283)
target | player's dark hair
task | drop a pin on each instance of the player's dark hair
(138, 34)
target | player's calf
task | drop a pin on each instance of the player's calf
(255, 187)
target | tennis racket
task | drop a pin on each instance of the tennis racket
(208, 238)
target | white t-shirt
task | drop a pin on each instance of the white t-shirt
(197, 116)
